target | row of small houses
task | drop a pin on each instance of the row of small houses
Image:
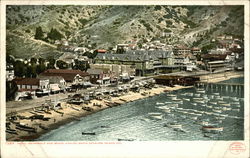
(54, 81)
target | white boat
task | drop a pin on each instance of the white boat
(222, 102)
(197, 95)
(208, 113)
(168, 102)
(184, 94)
(216, 93)
(224, 115)
(206, 98)
(186, 99)
(194, 104)
(154, 113)
(218, 98)
(197, 114)
(237, 106)
(225, 104)
(235, 103)
(175, 99)
(237, 110)
(215, 110)
(194, 117)
(163, 107)
(157, 117)
(174, 105)
(220, 118)
(225, 108)
(171, 95)
(173, 125)
(212, 129)
(211, 96)
(197, 98)
(226, 97)
(190, 94)
(241, 99)
(214, 103)
(167, 110)
(210, 107)
(201, 91)
(200, 101)
(159, 103)
(203, 123)
(145, 119)
(235, 99)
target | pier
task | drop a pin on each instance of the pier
(227, 86)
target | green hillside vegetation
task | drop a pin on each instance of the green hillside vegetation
(106, 26)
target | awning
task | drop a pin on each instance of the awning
(106, 78)
(55, 89)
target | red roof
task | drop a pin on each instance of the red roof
(26, 81)
(101, 50)
(68, 75)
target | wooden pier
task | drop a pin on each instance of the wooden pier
(227, 86)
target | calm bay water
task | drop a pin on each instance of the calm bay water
(144, 120)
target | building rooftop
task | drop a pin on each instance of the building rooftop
(68, 75)
(26, 81)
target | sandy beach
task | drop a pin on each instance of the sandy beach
(72, 112)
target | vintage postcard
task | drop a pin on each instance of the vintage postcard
(125, 79)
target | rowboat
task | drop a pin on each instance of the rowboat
(225, 104)
(88, 133)
(212, 129)
(197, 95)
(173, 125)
(237, 110)
(201, 91)
(121, 139)
(158, 103)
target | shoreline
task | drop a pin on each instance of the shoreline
(75, 112)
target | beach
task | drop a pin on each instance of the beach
(71, 112)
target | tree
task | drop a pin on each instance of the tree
(11, 89)
(19, 69)
(39, 35)
(31, 71)
(91, 55)
(81, 65)
(62, 64)
(51, 64)
(54, 35)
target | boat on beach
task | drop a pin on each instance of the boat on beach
(11, 131)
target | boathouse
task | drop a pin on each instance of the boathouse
(176, 80)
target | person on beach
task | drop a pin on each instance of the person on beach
(54, 120)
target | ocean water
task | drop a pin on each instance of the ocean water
(144, 120)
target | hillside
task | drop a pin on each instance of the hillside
(105, 26)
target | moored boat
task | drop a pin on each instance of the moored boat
(212, 129)
(88, 133)
(173, 125)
